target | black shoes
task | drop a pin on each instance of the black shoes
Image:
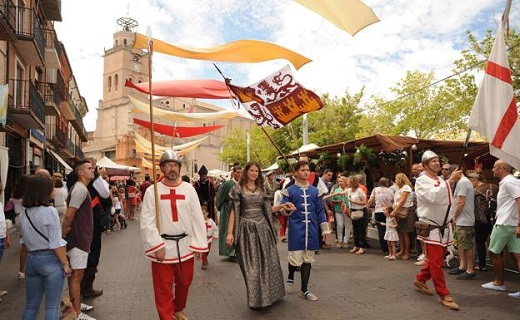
(92, 293)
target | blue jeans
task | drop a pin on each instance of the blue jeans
(43, 275)
(2, 247)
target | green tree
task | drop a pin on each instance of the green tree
(235, 147)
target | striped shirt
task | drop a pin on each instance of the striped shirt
(47, 221)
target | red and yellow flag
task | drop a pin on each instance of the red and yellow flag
(277, 100)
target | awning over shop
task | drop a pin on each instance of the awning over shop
(68, 169)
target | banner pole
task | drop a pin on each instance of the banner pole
(152, 135)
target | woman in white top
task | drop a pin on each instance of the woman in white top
(403, 200)
(60, 197)
(358, 200)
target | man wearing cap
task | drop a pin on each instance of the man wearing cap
(434, 199)
(173, 237)
(506, 231)
(270, 185)
(224, 204)
(206, 191)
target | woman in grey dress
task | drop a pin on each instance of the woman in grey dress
(251, 231)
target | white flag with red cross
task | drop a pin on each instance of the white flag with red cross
(495, 113)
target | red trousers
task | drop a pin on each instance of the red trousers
(204, 255)
(283, 224)
(433, 269)
(164, 277)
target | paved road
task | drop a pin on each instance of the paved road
(348, 286)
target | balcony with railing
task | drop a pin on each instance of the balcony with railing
(53, 133)
(7, 20)
(52, 9)
(77, 123)
(27, 106)
(78, 153)
(53, 95)
(52, 50)
(31, 41)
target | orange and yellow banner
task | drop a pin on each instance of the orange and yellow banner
(236, 51)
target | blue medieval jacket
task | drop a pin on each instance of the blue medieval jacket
(304, 223)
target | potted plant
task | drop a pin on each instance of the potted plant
(364, 155)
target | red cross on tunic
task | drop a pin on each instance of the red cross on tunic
(173, 202)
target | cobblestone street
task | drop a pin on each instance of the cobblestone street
(348, 286)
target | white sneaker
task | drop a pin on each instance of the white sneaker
(289, 286)
(421, 257)
(3, 293)
(85, 307)
(308, 296)
(83, 316)
(515, 295)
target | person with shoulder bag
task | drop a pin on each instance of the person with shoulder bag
(485, 204)
(46, 263)
(404, 213)
(339, 199)
(433, 209)
(358, 215)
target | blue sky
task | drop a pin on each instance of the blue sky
(420, 35)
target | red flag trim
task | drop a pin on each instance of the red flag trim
(506, 124)
(181, 132)
(499, 72)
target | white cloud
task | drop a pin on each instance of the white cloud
(412, 35)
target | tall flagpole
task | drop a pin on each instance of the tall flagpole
(152, 135)
(226, 80)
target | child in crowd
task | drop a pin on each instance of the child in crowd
(123, 202)
(212, 233)
(117, 210)
(391, 235)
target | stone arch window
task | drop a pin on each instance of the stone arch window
(116, 82)
(124, 41)
(109, 83)
(117, 43)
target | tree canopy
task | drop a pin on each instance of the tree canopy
(424, 107)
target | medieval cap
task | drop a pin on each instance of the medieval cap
(169, 156)
(203, 171)
(428, 155)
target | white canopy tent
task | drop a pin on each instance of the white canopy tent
(274, 166)
(305, 148)
(107, 163)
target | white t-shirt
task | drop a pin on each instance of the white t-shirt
(507, 209)
(409, 200)
(383, 197)
(465, 189)
(3, 226)
(60, 197)
(117, 203)
(356, 196)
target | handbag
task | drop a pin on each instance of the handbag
(356, 215)
(423, 229)
(402, 213)
(344, 207)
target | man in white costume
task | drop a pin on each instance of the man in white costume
(174, 242)
(434, 197)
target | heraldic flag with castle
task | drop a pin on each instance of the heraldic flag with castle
(277, 100)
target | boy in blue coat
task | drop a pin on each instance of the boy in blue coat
(307, 224)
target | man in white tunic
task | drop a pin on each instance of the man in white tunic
(506, 231)
(434, 197)
(175, 240)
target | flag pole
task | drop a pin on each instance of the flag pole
(464, 148)
(156, 194)
(227, 80)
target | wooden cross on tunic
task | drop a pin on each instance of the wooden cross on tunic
(173, 197)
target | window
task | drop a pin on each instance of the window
(117, 43)
(109, 83)
(19, 85)
(124, 41)
(116, 82)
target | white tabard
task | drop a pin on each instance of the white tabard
(433, 197)
(179, 212)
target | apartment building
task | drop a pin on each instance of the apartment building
(43, 122)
